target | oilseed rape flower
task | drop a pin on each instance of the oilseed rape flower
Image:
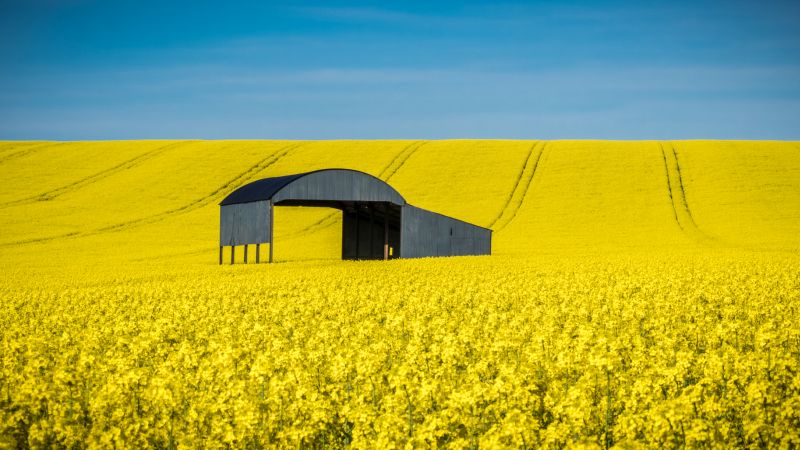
(281, 358)
(640, 295)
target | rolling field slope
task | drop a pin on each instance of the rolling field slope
(641, 294)
(139, 199)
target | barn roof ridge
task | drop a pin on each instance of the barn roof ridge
(266, 188)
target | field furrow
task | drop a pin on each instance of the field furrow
(219, 193)
(481, 174)
(677, 194)
(516, 185)
(592, 193)
(521, 188)
(75, 185)
(27, 151)
(8, 148)
(401, 159)
(669, 185)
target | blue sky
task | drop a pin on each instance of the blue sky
(73, 69)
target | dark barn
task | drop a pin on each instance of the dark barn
(377, 222)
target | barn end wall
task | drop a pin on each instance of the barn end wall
(425, 233)
(244, 223)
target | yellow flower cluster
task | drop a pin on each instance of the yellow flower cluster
(595, 351)
(640, 294)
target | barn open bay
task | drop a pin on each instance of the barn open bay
(637, 292)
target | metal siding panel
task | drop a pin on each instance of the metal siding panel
(244, 223)
(428, 234)
(415, 234)
(406, 231)
(419, 234)
(226, 222)
(442, 233)
(462, 246)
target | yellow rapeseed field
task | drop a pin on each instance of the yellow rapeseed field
(641, 294)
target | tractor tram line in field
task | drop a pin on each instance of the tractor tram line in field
(221, 191)
(680, 184)
(669, 187)
(8, 150)
(29, 150)
(677, 194)
(244, 176)
(400, 160)
(91, 179)
(72, 234)
(520, 191)
(516, 184)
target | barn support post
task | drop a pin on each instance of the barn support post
(245, 253)
(233, 252)
(258, 253)
(220, 254)
(271, 229)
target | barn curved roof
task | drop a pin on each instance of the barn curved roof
(319, 185)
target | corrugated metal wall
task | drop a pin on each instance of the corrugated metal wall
(244, 223)
(425, 233)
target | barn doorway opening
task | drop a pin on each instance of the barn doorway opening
(370, 230)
